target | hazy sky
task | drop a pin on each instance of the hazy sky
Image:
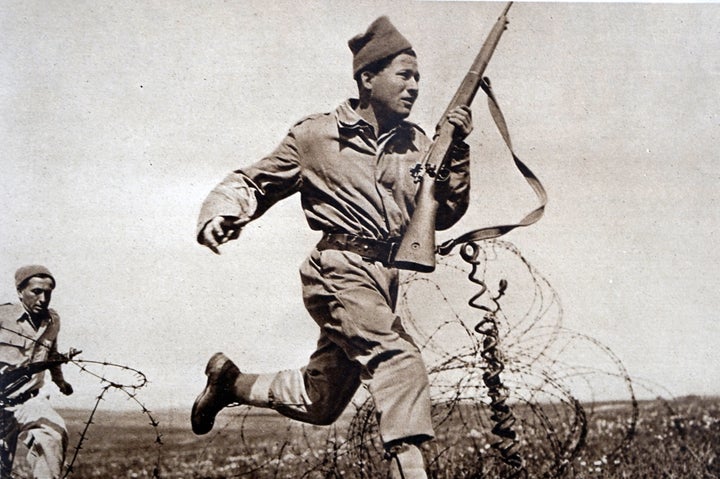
(117, 118)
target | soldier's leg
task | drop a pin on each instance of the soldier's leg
(46, 437)
(393, 368)
(8, 442)
(406, 461)
(353, 301)
(360, 334)
(317, 393)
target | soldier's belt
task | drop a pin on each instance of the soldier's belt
(370, 249)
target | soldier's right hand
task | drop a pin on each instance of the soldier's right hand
(220, 230)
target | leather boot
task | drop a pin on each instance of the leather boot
(218, 393)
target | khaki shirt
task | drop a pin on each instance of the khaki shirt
(349, 180)
(22, 344)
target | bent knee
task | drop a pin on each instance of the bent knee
(323, 416)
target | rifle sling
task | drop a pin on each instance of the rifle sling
(491, 232)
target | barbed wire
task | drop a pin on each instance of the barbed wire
(544, 410)
(130, 390)
(513, 390)
(107, 383)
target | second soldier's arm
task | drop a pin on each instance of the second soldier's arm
(56, 373)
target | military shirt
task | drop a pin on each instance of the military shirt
(22, 344)
(350, 181)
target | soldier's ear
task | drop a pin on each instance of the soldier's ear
(366, 79)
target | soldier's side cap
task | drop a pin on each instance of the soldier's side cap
(381, 40)
(24, 273)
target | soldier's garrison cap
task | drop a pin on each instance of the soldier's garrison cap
(381, 40)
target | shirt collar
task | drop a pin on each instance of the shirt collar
(348, 118)
(25, 316)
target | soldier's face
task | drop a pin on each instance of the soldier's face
(395, 88)
(36, 294)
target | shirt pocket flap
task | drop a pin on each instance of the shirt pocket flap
(11, 338)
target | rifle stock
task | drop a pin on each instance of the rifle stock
(417, 248)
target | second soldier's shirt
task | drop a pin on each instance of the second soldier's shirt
(21, 343)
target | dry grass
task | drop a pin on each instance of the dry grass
(672, 439)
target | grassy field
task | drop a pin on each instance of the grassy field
(665, 439)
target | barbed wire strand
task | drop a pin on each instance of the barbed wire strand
(524, 343)
(129, 389)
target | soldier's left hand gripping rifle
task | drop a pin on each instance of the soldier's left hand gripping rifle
(417, 249)
(14, 378)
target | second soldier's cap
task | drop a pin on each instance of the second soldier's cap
(24, 273)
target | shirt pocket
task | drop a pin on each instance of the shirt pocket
(12, 347)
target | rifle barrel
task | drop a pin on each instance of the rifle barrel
(417, 248)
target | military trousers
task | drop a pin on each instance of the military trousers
(362, 340)
(44, 433)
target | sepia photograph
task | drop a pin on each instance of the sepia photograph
(369, 239)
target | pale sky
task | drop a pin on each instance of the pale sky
(117, 118)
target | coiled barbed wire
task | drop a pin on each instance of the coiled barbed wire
(553, 373)
(553, 380)
(130, 389)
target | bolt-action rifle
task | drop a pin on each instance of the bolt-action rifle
(12, 379)
(417, 248)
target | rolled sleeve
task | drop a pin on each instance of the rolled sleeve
(248, 192)
(56, 373)
(233, 196)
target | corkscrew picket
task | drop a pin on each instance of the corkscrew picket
(507, 445)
